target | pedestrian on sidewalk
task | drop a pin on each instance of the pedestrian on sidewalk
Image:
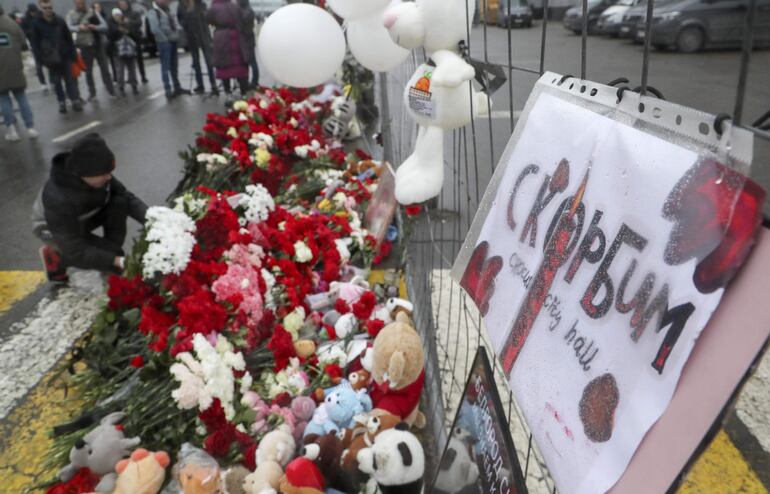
(12, 80)
(52, 43)
(88, 27)
(250, 40)
(192, 17)
(124, 49)
(33, 12)
(229, 53)
(135, 21)
(80, 196)
(164, 27)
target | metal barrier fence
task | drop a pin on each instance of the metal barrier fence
(447, 319)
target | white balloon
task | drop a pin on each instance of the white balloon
(356, 9)
(371, 44)
(301, 45)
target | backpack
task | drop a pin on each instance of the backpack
(126, 47)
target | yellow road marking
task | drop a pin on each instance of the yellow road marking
(25, 434)
(722, 469)
(15, 285)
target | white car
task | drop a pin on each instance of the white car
(611, 19)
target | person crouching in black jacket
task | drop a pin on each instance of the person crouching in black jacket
(80, 196)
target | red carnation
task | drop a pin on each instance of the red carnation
(214, 416)
(374, 326)
(282, 400)
(218, 443)
(282, 346)
(413, 210)
(137, 362)
(341, 306)
(83, 481)
(126, 293)
(334, 371)
(250, 458)
(365, 305)
(362, 155)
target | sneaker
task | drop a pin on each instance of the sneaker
(215, 92)
(55, 270)
(199, 90)
(77, 106)
(32, 133)
(170, 95)
(180, 91)
(62, 108)
(11, 134)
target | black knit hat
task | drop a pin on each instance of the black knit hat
(90, 157)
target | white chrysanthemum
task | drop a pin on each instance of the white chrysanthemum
(212, 160)
(342, 248)
(257, 202)
(190, 205)
(259, 139)
(302, 252)
(302, 151)
(269, 284)
(171, 241)
(240, 105)
(333, 355)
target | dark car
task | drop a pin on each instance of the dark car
(514, 13)
(611, 20)
(573, 18)
(691, 25)
(636, 15)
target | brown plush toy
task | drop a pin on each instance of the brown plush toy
(398, 371)
(325, 451)
(362, 437)
(143, 473)
(360, 379)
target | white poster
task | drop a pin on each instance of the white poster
(602, 257)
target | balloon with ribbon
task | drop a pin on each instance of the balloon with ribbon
(301, 45)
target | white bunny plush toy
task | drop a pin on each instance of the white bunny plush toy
(440, 95)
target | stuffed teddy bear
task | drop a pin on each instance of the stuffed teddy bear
(362, 436)
(99, 451)
(233, 479)
(398, 371)
(302, 477)
(303, 408)
(360, 379)
(440, 94)
(395, 461)
(338, 409)
(325, 451)
(264, 480)
(275, 451)
(143, 473)
(197, 472)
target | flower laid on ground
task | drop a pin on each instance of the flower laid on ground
(170, 235)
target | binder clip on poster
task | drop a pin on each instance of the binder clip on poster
(440, 95)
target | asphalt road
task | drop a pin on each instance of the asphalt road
(146, 133)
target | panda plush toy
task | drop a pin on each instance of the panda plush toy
(395, 461)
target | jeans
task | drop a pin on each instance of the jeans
(97, 53)
(140, 60)
(195, 52)
(123, 64)
(61, 78)
(254, 69)
(39, 70)
(169, 62)
(7, 107)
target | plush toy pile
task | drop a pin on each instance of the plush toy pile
(245, 348)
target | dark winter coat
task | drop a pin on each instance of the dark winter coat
(69, 204)
(134, 21)
(247, 29)
(193, 20)
(115, 31)
(228, 49)
(52, 42)
(12, 43)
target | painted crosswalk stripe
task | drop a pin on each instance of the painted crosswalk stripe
(33, 345)
(77, 131)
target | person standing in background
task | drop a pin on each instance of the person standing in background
(52, 43)
(12, 80)
(164, 28)
(88, 26)
(33, 12)
(124, 50)
(249, 39)
(134, 19)
(192, 17)
(229, 53)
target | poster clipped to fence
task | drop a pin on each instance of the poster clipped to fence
(600, 250)
(480, 457)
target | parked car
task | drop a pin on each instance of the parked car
(611, 19)
(691, 25)
(573, 18)
(637, 14)
(263, 8)
(520, 13)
